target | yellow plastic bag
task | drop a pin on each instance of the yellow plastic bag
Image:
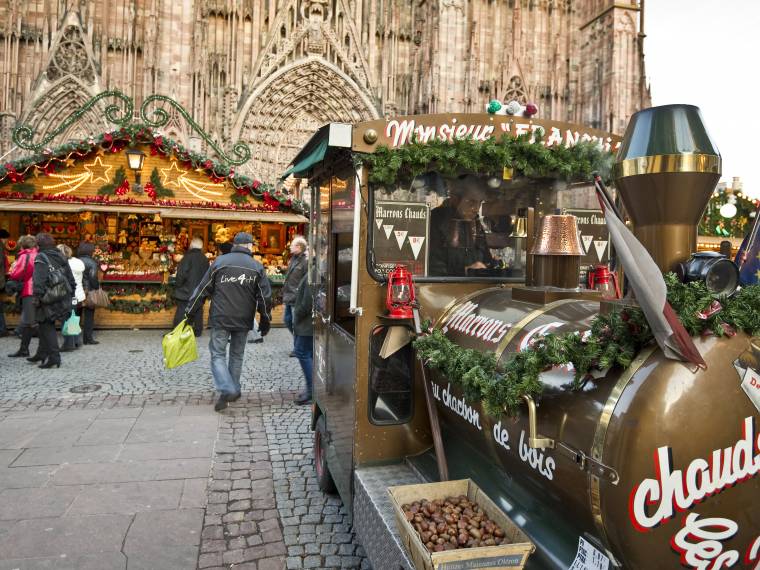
(179, 346)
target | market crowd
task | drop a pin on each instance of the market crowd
(55, 286)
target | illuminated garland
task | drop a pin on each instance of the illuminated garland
(390, 167)
(110, 200)
(739, 225)
(614, 341)
(245, 188)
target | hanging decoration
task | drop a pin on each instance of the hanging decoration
(119, 186)
(244, 188)
(492, 157)
(496, 107)
(728, 214)
(613, 341)
(155, 188)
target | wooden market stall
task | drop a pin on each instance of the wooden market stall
(86, 191)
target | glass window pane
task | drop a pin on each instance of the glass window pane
(342, 206)
(469, 226)
(390, 382)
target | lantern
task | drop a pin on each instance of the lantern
(135, 159)
(400, 300)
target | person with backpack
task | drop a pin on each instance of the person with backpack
(90, 283)
(53, 286)
(21, 272)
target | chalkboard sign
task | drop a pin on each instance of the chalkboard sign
(595, 240)
(400, 235)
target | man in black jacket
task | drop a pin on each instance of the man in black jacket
(191, 270)
(238, 287)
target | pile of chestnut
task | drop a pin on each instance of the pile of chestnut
(453, 522)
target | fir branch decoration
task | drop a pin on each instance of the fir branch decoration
(110, 188)
(614, 341)
(23, 187)
(389, 167)
(161, 190)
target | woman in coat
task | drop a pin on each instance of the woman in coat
(77, 269)
(90, 282)
(22, 271)
(50, 261)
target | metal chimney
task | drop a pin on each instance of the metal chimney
(666, 169)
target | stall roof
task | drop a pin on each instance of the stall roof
(314, 151)
(185, 213)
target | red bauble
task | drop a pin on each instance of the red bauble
(530, 109)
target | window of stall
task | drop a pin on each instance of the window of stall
(342, 197)
(468, 227)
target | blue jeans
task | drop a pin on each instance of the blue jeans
(288, 318)
(227, 375)
(304, 349)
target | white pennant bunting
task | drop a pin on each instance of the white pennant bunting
(416, 243)
(586, 243)
(600, 245)
(379, 223)
(388, 229)
(400, 237)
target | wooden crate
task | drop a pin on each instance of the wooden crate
(511, 554)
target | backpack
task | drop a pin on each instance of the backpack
(57, 287)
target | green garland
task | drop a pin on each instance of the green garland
(139, 307)
(615, 340)
(389, 167)
(110, 188)
(244, 186)
(23, 187)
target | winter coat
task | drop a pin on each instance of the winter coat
(77, 270)
(191, 270)
(296, 270)
(90, 280)
(60, 309)
(238, 287)
(23, 269)
(302, 310)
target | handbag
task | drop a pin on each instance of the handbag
(13, 287)
(57, 286)
(179, 346)
(96, 298)
(71, 326)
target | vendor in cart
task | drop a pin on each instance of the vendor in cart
(457, 240)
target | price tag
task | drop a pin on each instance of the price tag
(751, 386)
(589, 557)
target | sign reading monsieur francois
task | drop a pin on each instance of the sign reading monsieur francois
(400, 235)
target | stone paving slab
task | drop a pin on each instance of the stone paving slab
(69, 536)
(191, 488)
(101, 561)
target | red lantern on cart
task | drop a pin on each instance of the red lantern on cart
(400, 299)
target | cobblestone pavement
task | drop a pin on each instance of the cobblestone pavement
(264, 509)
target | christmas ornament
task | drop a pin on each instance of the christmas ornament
(494, 106)
(530, 110)
(513, 108)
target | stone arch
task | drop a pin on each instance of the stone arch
(285, 110)
(516, 90)
(57, 103)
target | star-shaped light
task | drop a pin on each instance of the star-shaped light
(167, 176)
(98, 171)
(69, 161)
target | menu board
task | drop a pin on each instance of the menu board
(400, 233)
(595, 239)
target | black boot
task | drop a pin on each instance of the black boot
(36, 358)
(49, 363)
(19, 352)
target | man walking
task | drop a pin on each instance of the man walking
(293, 277)
(191, 270)
(238, 288)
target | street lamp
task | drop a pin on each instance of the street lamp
(136, 157)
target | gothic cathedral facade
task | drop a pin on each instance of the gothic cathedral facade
(269, 72)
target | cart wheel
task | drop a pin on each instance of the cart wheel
(324, 478)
